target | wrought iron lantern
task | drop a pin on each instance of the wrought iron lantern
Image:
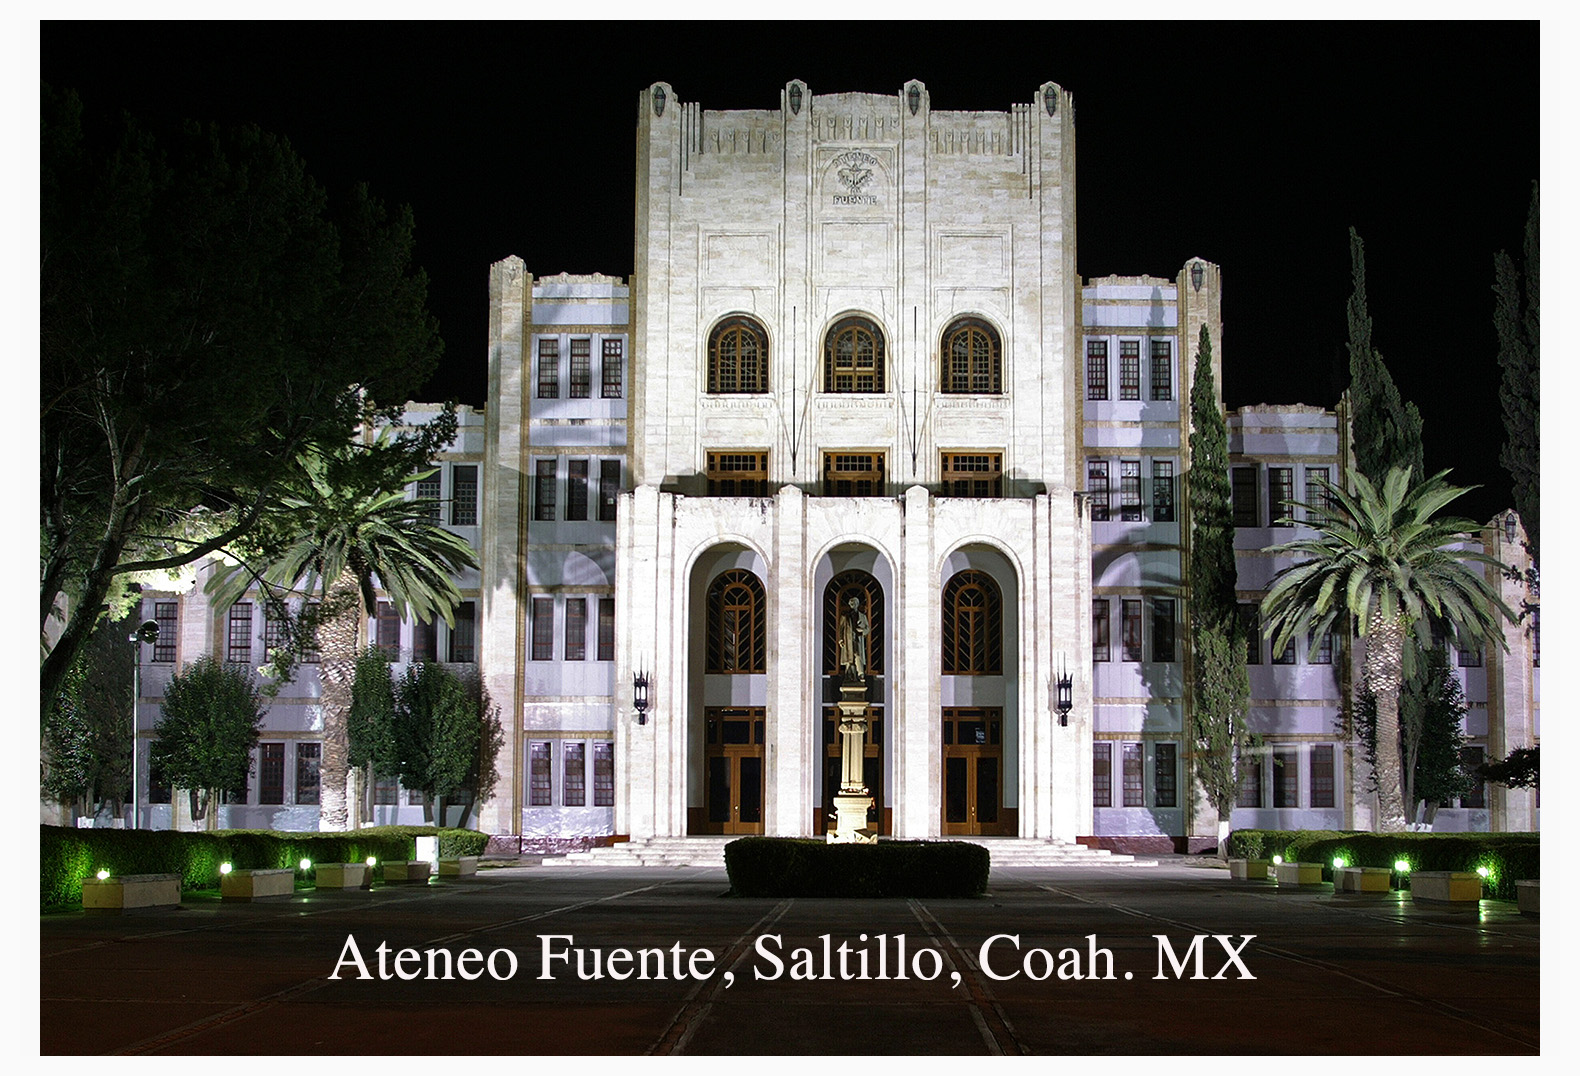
(641, 700)
(795, 98)
(1063, 695)
(913, 97)
(1050, 98)
(658, 100)
(1197, 270)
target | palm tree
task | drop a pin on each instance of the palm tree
(1380, 557)
(340, 530)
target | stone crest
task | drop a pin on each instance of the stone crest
(855, 171)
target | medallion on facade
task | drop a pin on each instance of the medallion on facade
(855, 171)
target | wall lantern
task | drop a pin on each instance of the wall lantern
(641, 701)
(1050, 99)
(1063, 694)
(913, 97)
(658, 101)
(1196, 273)
(795, 98)
(1510, 528)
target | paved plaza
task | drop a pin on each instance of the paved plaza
(1332, 974)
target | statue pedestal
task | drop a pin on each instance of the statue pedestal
(854, 799)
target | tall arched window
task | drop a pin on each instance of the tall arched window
(738, 357)
(971, 360)
(853, 357)
(737, 624)
(868, 594)
(973, 629)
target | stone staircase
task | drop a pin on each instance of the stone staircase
(1007, 852)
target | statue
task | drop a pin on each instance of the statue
(853, 630)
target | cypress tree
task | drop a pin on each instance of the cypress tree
(1517, 317)
(1387, 430)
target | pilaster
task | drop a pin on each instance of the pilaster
(918, 774)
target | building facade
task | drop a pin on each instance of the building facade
(855, 378)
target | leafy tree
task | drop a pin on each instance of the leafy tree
(1221, 686)
(341, 522)
(208, 726)
(1431, 707)
(446, 737)
(1518, 319)
(370, 723)
(88, 730)
(1387, 431)
(206, 315)
(1378, 555)
(1521, 769)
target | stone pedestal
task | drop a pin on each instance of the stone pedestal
(854, 799)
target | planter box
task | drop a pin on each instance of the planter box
(131, 891)
(1529, 895)
(407, 870)
(1246, 870)
(1298, 873)
(1446, 887)
(339, 875)
(458, 867)
(251, 885)
(1363, 880)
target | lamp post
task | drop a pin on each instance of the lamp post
(147, 632)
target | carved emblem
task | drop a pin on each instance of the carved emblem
(855, 170)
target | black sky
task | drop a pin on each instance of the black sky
(1253, 145)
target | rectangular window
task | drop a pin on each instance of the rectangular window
(1286, 779)
(608, 489)
(853, 474)
(1130, 628)
(165, 645)
(974, 474)
(543, 507)
(386, 792)
(1280, 491)
(1097, 486)
(1135, 795)
(158, 787)
(542, 629)
(737, 474)
(429, 489)
(548, 369)
(1100, 629)
(1162, 370)
(603, 773)
(605, 629)
(575, 629)
(1323, 655)
(310, 655)
(307, 763)
(576, 490)
(1322, 775)
(1162, 629)
(1130, 369)
(271, 773)
(1130, 491)
(1163, 491)
(1469, 658)
(540, 774)
(273, 633)
(1250, 782)
(613, 369)
(1318, 499)
(238, 634)
(1097, 369)
(1251, 625)
(463, 484)
(573, 756)
(581, 369)
(1247, 512)
(463, 637)
(1102, 775)
(387, 631)
(425, 640)
(1469, 759)
(1286, 656)
(1165, 775)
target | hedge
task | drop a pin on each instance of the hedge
(1508, 857)
(790, 867)
(67, 856)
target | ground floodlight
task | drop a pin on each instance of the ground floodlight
(371, 861)
(103, 875)
(1402, 866)
(306, 864)
(1338, 862)
(1277, 860)
(1483, 871)
(224, 868)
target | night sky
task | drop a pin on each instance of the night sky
(1254, 146)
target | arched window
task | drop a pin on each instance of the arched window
(737, 624)
(971, 357)
(853, 357)
(738, 357)
(973, 630)
(868, 594)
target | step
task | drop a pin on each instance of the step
(675, 852)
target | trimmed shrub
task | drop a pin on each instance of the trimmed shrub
(68, 856)
(790, 867)
(1508, 857)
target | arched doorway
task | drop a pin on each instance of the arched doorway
(978, 640)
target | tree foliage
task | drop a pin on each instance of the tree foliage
(88, 730)
(1387, 431)
(1431, 708)
(1222, 695)
(1518, 318)
(209, 724)
(206, 315)
(1521, 769)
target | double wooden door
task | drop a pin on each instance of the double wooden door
(973, 772)
(734, 770)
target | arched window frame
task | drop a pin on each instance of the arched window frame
(738, 356)
(737, 624)
(971, 358)
(848, 366)
(973, 627)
